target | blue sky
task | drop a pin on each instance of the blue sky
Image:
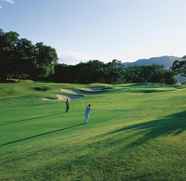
(100, 29)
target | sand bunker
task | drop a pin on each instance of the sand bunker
(58, 97)
(73, 94)
(49, 99)
(63, 98)
(93, 90)
(69, 92)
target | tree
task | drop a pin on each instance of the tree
(8, 42)
(114, 71)
(91, 71)
(149, 73)
(45, 60)
(179, 66)
(25, 59)
(20, 58)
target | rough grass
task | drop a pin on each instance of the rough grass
(136, 132)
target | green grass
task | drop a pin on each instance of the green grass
(136, 132)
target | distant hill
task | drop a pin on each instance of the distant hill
(166, 61)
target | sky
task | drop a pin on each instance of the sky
(100, 29)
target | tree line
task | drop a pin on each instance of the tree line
(91, 71)
(112, 72)
(22, 59)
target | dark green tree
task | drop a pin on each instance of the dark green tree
(20, 58)
(179, 66)
(114, 71)
(45, 60)
(8, 42)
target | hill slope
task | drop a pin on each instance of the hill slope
(166, 61)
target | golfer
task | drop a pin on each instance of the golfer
(87, 113)
(67, 105)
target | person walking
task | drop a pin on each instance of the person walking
(87, 113)
(67, 105)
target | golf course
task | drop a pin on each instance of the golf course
(135, 132)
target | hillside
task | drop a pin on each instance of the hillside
(136, 132)
(166, 61)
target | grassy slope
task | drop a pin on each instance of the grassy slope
(136, 132)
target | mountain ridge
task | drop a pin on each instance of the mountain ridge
(165, 61)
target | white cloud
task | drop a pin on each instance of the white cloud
(6, 1)
(9, 1)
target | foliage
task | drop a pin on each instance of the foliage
(112, 72)
(179, 66)
(148, 73)
(20, 58)
(92, 71)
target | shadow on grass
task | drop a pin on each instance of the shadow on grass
(41, 88)
(149, 90)
(30, 119)
(173, 124)
(39, 135)
(8, 81)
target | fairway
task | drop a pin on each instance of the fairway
(136, 132)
